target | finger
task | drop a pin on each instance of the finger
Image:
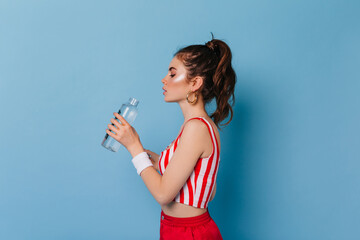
(115, 122)
(112, 127)
(148, 151)
(122, 120)
(110, 133)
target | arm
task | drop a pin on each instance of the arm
(164, 188)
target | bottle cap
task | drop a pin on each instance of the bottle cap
(133, 101)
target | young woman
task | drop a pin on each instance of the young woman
(197, 74)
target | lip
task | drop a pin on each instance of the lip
(164, 90)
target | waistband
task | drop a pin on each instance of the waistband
(186, 221)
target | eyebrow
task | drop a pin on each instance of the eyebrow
(171, 68)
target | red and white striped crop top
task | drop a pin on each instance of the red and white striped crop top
(199, 186)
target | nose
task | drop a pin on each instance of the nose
(163, 80)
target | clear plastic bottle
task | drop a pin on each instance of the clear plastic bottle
(128, 111)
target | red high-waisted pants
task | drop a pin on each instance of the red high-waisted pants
(194, 228)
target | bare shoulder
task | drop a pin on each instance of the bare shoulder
(199, 131)
(195, 126)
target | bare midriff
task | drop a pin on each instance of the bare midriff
(176, 209)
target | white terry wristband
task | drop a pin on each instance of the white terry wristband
(141, 161)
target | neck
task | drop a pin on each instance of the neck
(193, 110)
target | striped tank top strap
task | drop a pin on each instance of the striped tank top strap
(211, 130)
(184, 126)
(212, 133)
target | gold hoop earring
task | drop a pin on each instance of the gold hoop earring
(187, 98)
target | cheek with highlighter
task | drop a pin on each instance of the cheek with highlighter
(178, 78)
(175, 85)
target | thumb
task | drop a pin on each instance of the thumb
(146, 150)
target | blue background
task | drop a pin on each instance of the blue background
(290, 157)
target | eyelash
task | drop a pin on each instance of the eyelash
(172, 75)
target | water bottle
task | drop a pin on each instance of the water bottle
(128, 111)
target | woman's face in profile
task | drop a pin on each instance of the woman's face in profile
(174, 82)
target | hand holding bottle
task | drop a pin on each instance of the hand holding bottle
(129, 112)
(123, 132)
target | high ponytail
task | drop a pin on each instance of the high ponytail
(212, 61)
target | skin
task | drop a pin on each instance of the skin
(195, 136)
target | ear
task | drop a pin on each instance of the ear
(196, 83)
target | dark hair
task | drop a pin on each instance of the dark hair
(212, 62)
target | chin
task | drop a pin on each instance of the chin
(168, 100)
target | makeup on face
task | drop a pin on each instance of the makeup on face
(174, 77)
(178, 78)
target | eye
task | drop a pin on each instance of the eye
(172, 75)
